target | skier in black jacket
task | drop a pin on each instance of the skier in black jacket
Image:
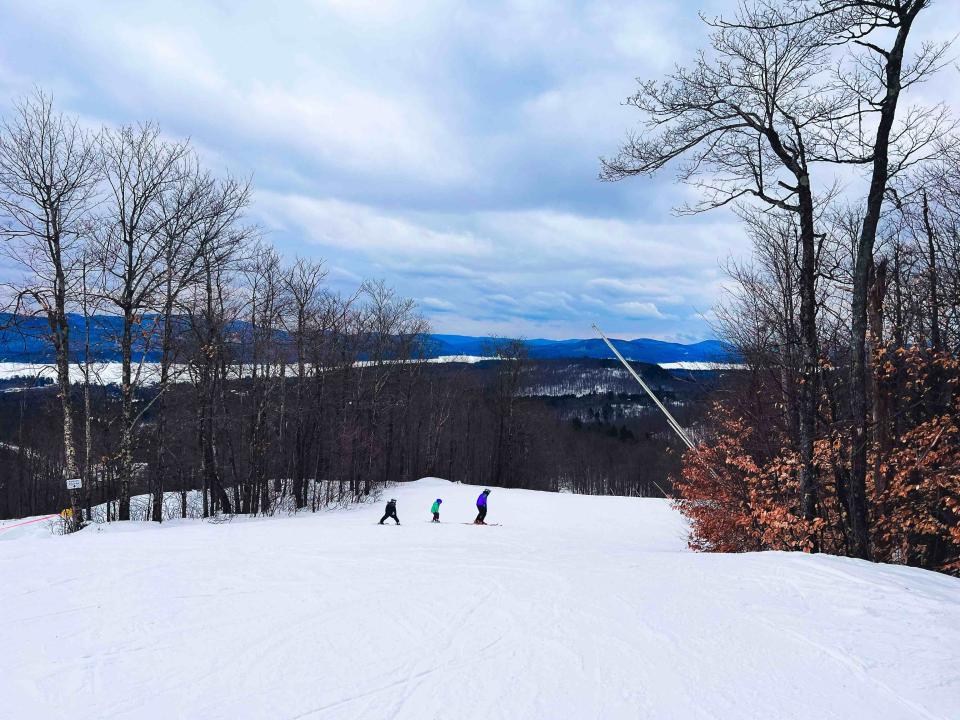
(391, 511)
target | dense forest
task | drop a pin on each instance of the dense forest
(338, 436)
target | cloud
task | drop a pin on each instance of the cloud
(676, 288)
(338, 225)
(356, 128)
(501, 299)
(448, 147)
(432, 304)
(540, 270)
(294, 100)
(635, 310)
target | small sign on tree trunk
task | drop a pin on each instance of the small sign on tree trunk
(74, 484)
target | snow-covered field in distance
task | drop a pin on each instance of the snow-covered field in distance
(102, 372)
(701, 366)
(109, 372)
(576, 607)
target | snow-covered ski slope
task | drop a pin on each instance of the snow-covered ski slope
(575, 607)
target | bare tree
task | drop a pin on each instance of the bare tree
(139, 168)
(302, 283)
(760, 315)
(48, 184)
(90, 280)
(212, 307)
(752, 121)
(197, 211)
(262, 274)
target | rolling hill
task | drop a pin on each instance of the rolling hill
(22, 340)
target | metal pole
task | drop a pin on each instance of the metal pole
(670, 419)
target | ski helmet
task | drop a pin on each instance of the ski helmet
(487, 491)
(393, 499)
(439, 500)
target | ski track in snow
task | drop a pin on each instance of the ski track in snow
(576, 607)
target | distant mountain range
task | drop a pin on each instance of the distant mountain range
(23, 341)
(641, 349)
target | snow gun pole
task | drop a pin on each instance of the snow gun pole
(670, 418)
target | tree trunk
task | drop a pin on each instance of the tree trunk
(859, 385)
(126, 430)
(880, 393)
(936, 341)
(809, 354)
(165, 359)
(66, 406)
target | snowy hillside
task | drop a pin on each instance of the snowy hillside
(575, 607)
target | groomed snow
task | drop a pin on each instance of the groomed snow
(576, 607)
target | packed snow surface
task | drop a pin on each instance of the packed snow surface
(575, 607)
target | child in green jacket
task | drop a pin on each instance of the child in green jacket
(435, 509)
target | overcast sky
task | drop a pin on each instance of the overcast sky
(448, 147)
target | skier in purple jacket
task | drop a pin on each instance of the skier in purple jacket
(481, 508)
